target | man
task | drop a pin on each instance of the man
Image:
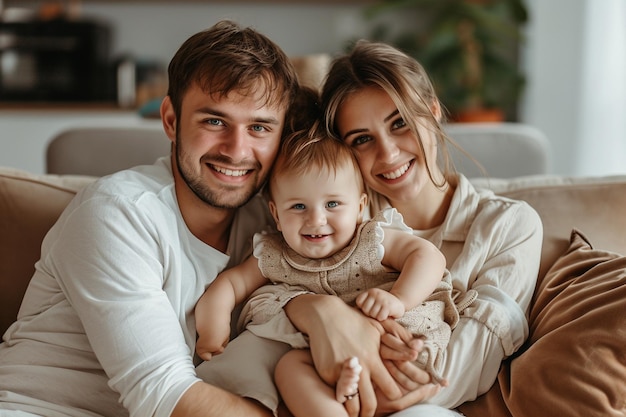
(106, 326)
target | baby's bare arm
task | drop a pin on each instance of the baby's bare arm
(380, 304)
(420, 263)
(213, 310)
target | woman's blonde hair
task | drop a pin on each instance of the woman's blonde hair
(402, 78)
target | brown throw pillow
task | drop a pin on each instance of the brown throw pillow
(574, 363)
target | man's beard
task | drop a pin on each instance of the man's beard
(212, 197)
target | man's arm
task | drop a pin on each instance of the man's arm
(205, 400)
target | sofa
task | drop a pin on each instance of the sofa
(574, 362)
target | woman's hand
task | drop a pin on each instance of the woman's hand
(337, 332)
(399, 348)
(386, 406)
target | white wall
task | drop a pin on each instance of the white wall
(554, 56)
(575, 60)
(553, 66)
(157, 30)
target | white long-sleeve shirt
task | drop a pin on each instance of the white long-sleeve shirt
(106, 326)
(492, 245)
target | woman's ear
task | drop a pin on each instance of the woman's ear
(274, 211)
(436, 109)
(168, 118)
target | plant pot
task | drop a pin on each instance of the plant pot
(479, 115)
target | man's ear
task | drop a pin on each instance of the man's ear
(274, 211)
(168, 118)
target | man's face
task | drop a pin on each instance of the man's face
(225, 146)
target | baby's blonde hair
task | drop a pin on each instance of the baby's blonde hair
(313, 150)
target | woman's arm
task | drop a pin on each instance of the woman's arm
(337, 332)
(499, 261)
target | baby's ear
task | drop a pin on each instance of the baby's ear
(362, 206)
(274, 212)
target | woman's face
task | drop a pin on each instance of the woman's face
(388, 152)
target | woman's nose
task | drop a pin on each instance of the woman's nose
(387, 148)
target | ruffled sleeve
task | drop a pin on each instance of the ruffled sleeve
(388, 218)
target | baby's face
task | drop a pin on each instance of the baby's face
(318, 212)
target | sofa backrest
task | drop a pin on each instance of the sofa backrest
(30, 204)
(98, 151)
(593, 205)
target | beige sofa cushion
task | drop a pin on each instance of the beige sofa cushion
(29, 205)
(577, 338)
(570, 306)
(573, 363)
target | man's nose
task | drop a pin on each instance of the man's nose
(236, 145)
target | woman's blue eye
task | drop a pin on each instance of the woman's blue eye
(298, 206)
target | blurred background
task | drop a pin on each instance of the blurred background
(558, 65)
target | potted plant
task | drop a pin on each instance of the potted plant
(468, 47)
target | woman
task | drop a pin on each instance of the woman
(381, 102)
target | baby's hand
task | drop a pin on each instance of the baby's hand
(380, 304)
(213, 342)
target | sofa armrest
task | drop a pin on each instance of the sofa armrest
(29, 206)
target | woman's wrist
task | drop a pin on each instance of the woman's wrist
(310, 312)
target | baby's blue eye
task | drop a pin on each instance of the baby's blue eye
(332, 204)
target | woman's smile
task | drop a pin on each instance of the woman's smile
(398, 172)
